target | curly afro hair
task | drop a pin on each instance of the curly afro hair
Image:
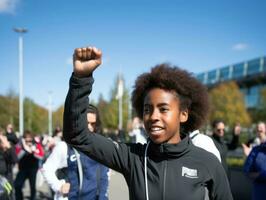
(192, 94)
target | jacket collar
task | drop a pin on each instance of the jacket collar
(166, 150)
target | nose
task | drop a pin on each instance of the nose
(154, 115)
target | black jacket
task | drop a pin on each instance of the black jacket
(223, 147)
(7, 159)
(174, 171)
(12, 138)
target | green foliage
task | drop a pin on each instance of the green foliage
(36, 117)
(58, 117)
(109, 110)
(227, 103)
(9, 111)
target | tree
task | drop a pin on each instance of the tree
(102, 107)
(109, 110)
(58, 117)
(227, 103)
(35, 117)
(13, 103)
(9, 111)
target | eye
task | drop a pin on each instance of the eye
(164, 109)
(146, 110)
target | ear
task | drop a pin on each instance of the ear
(183, 116)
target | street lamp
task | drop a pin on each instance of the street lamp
(21, 31)
(50, 113)
(120, 101)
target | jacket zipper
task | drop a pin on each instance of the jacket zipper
(164, 178)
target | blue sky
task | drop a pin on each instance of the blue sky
(133, 35)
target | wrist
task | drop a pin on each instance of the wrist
(79, 76)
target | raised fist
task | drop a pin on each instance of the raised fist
(86, 60)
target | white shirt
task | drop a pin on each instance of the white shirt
(204, 142)
(140, 138)
(56, 160)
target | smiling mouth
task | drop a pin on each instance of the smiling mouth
(156, 130)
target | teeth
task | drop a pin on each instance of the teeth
(156, 129)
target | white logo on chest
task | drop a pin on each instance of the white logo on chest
(73, 158)
(189, 173)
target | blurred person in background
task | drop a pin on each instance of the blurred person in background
(10, 134)
(30, 153)
(138, 131)
(51, 142)
(257, 140)
(218, 128)
(255, 168)
(205, 142)
(58, 134)
(8, 158)
(65, 166)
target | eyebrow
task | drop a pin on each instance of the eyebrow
(159, 105)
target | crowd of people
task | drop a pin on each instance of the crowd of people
(168, 156)
(55, 159)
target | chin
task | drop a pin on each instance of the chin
(157, 140)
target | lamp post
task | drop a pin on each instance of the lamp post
(50, 113)
(120, 101)
(21, 31)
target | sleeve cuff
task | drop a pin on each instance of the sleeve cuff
(77, 82)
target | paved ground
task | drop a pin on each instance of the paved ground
(118, 189)
(240, 185)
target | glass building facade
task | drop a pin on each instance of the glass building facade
(249, 75)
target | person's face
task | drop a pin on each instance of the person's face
(28, 140)
(9, 128)
(162, 116)
(261, 130)
(91, 117)
(219, 129)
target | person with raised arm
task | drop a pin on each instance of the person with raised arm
(172, 103)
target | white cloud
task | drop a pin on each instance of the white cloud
(8, 6)
(240, 47)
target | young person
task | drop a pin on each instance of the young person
(69, 186)
(171, 103)
(8, 158)
(11, 135)
(30, 154)
(222, 145)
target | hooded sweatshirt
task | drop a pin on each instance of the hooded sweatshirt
(152, 171)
